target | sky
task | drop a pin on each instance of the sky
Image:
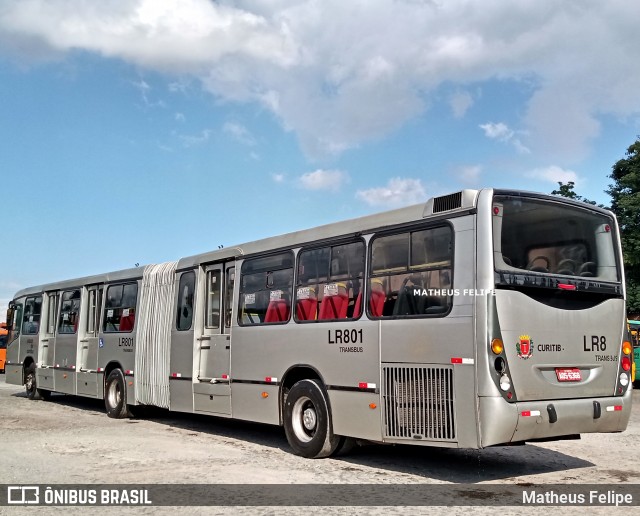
(141, 131)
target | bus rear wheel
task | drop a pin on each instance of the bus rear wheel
(307, 422)
(115, 395)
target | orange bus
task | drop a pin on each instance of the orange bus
(3, 345)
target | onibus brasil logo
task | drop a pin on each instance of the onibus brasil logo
(525, 347)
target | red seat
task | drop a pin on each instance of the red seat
(357, 306)
(377, 297)
(277, 311)
(306, 309)
(334, 306)
(127, 322)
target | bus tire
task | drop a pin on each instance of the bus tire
(307, 422)
(345, 446)
(115, 395)
(30, 383)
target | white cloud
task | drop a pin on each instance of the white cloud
(239, 133)
(398, 192)
(502, 133)
(340, 73)
(460, 102)
(470, 174)
(179, 117)
(323, 180)
(553, 174)
(497, 131)
(278, 178)
(192, 140)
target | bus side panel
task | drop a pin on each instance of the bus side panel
(430, 347)
(44, 378)
(268, 352)
(13, 374)
(353, 415)
(181, 363)
(13, 367)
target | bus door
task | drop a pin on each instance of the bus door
(66, 342)
(88, 344)
(213, 337)
(44, 373)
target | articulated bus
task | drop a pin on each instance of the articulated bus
(479, 318)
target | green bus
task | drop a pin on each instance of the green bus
(634, 331)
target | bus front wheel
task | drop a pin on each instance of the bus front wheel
(31, 385)
(307, 423)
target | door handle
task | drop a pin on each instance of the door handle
(204, 337)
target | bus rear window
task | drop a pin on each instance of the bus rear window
(546, 237)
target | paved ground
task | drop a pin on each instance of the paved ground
(71, 440)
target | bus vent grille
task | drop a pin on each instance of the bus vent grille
(447, 202)
(418, 403)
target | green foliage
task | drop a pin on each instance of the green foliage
(625, 203)
(566, 190)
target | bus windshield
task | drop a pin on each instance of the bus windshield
(536, 238)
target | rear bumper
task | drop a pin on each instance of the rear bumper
(502, 422)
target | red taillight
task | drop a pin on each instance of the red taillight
(566, 286)
(626, 363)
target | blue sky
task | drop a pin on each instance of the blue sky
(140, 131)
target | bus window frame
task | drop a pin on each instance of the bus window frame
(330, 244)
(410, 230)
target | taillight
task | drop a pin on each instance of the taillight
(626, 347)
(626, 363)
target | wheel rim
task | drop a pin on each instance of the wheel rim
(305, 419)
(114, 395)
(29, 382)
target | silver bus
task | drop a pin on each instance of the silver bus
(480, 318)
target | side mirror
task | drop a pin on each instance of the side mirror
(10, 311)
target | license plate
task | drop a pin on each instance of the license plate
(568, 375)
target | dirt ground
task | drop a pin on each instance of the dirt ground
(71, 440)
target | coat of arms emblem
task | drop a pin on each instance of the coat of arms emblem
(525, 347)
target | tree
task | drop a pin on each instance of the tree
(625, 203)
(566, 190)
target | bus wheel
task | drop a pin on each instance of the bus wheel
(307, 423)
(345, 446)
(115, 397)
(33, 393)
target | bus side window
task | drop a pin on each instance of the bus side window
(120, 308)
(329, 283)
(69, 312)
(186, 289)
(266, 289)
(411, 273)
(31, 317)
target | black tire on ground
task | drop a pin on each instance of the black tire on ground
(30, 384)
(345, 446)
(307, 422)
(115, 395)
